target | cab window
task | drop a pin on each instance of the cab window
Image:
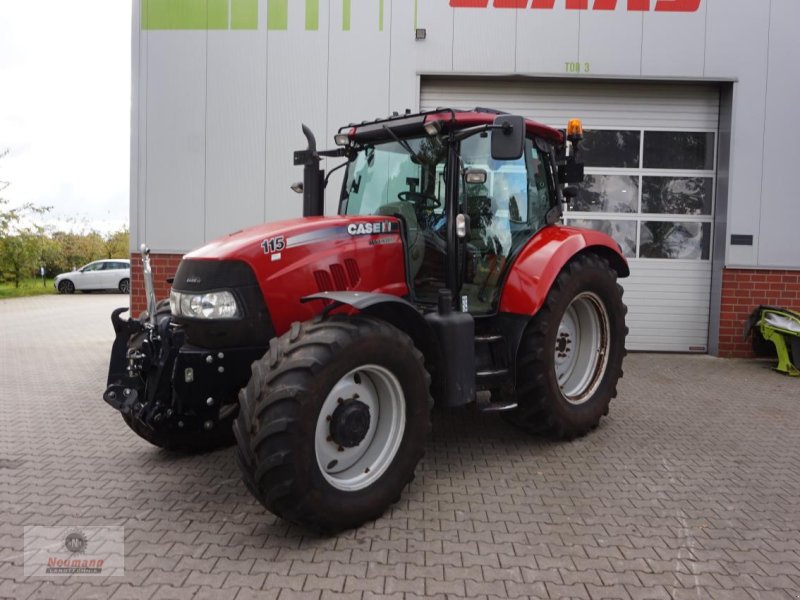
(504, 213)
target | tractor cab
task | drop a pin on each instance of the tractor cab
(470, 188)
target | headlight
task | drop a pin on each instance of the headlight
(211, 305)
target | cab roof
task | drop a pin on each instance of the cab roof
(412, 124)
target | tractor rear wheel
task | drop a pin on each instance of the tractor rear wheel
(570, 356)
(333, 422)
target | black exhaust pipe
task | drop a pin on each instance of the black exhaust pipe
(313, 177)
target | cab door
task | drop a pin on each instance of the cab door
(504, 213)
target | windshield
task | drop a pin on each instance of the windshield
(383, 174)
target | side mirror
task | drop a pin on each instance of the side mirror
(475, 176)
(508, 137)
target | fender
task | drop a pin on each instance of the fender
(362, 300)
(398, 312)
(394, 310)
(542, 258)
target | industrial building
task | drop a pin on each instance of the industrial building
(689, 105)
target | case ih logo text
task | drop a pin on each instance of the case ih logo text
(369, 228)
(686, 6)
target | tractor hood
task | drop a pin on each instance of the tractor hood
(296, 258)
(242, 242)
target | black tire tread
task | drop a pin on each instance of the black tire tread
(270, 405)
(535, 409)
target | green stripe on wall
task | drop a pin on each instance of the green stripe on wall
(345, 15)
(380, 15)
(278, 15)
(312, 15)
(181, 14)
(217, 14)
(244, 14)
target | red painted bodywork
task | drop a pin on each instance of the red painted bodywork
(381, 264)
(379, 260)
(543, 257)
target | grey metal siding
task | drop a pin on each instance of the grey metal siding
(668, 299)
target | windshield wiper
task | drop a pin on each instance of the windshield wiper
(405, 145)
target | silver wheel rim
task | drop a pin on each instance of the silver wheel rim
(351, 469)
(124, 286)
(582, 345)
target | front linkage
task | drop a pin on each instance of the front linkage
(168, 392)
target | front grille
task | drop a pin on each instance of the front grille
(253, 329)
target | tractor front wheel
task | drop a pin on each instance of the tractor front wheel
(333, 422)
(570, 357)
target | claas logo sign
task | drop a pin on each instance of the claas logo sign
(685, 6)
(244, 14)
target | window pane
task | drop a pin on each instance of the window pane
(619, 149)
(385, 174)
(677, 195)
(607, 193)
(623, 232)
(540, 198)
(678, 150)
(497, 209)
(668, 239)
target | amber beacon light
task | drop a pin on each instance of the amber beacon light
(575, 129)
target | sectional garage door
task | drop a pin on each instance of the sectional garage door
(650, 153)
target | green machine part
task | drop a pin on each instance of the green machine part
(781, 326)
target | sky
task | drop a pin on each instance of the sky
(65, 98)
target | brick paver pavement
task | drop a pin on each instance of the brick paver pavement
(689, 489)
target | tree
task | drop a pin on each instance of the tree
(26, 245)
(117, 244)
(76, 249)
(21, 241)
(21, 238)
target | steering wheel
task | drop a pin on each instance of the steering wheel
(420, 199)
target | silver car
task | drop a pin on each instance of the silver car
(110, 274)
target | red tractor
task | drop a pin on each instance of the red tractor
(320, 344)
